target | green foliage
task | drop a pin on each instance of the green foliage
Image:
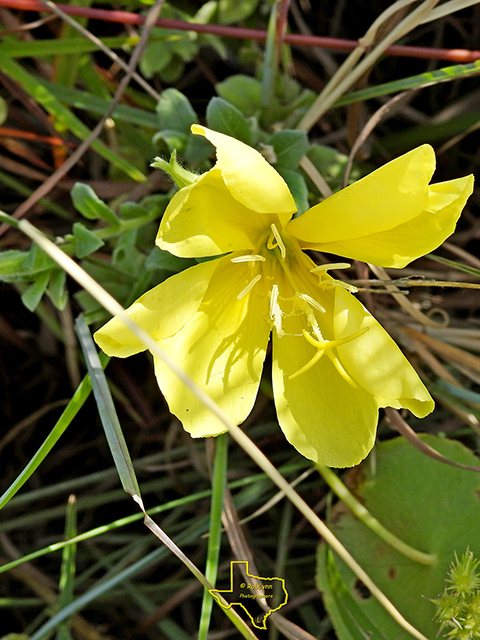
(431, 506)
(224, 117)
(458, 608)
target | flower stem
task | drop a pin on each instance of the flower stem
(337, 486)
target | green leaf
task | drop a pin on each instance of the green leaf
(57, 291)
(230, 11)
(243, 92)
(298, 187)
(33, 294)
(36, 260)
(3, 110)
(130, 210)
(225, 118)
(155, 58)
(11, 265)
(431, 506)
(85, 241)
(290, 146)
(174, 112)
(164, 261)
(94, 104)
(169, 140)
(89, 204)
(348, 619)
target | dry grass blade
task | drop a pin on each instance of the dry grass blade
(398, 423)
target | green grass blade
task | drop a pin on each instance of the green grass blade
(71, 410)
(148, 562)
(67, 119)
(456, 265)
(219, 479)
(447, 74)
(94, 104)
(106, 410)
(65, 46)
(67, 571)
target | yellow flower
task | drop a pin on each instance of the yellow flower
(333, 364)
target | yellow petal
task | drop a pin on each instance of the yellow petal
(410, 240)
(249, 177)
(222, 348)
(322, 416)
(204, 219)
(375, 361)
(162, 311)
(386, 198)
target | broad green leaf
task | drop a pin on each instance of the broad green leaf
(89, 204)
(174, 112)
(290, 146)
(243, 92)
(225, 118)
(349, 621)
(432, 506)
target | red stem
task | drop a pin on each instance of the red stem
(337, 44)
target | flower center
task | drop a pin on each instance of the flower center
(325, 347)
(275, 248)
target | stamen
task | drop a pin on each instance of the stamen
(248, 258)
(275, 311)
(279, 242)
(249, 287)
(312, 302)
(325, 347)
(331, 265)
(322, 268)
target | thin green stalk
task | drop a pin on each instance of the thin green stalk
(337, 486)
(219, 480)
(71, 410)
(67, 571)
(270, 59)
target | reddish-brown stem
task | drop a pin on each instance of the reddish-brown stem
(337, 44)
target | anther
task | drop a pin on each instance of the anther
(248, 258)
(275, 311)
(312, 302)
(249, 287)
(331, 265)
(276, 241)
